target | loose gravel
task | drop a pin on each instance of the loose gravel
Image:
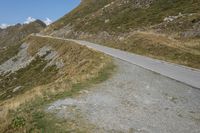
(133, 100)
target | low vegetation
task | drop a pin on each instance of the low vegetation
(160, 47)
(31, 117)
(132, 25)
(13, 35)
(22, 109)
(9, 52)
(174, 23)
(90, 16)
(26, 78)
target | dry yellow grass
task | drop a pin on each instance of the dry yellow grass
(163, 39)
(80, 64)
(158, 46)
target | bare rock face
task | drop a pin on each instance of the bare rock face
(23, 59)
(64, 32)
(194, 32)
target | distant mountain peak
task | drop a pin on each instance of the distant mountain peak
(15, 33)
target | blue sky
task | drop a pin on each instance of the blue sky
(17, 11)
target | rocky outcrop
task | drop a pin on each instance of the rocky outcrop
(23, 59)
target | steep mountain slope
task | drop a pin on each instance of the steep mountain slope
(37, 70)
(123, 15)
(12, 37)
(163, 29)
(43, 70)
(16, 33)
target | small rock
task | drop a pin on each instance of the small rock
(121, 38)
(107, 20)
(84, 91)
(17, 88)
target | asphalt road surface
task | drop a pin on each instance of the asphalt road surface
(180, 73)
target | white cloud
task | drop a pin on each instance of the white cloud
(29, 20)
(3, 26)
(48, 21)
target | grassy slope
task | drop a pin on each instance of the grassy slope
(31, 116)
(90, 18)
(124, 16)
(83, 67)
(12, 37)
(127, 17)
(160, 47)
(85, 8)
(9, 52)
(28, 77)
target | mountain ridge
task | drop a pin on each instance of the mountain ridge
(12, 37)
(19, 31)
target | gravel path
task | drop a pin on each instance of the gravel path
(133, 100)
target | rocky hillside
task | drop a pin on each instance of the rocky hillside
(162, 29)
(12, 37)
(126, 15)
(14, 34)
(43, 70)
(37, 70)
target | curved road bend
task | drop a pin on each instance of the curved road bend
(179, 73)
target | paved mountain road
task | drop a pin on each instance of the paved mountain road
(179, 73)
(134, 99)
